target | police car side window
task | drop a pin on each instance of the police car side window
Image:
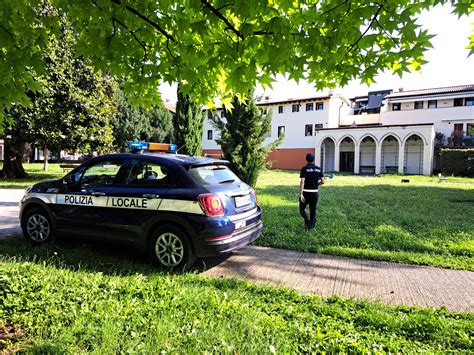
(149, 173)
(102, 173)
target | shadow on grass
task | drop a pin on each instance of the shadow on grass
(32, 178)
(96, 256)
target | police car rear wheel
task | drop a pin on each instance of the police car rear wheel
(172, 249)
(36, 226)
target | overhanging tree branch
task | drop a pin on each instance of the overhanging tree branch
(147, 20)
(132, 33)
(334, 8)
(372, 20)
(222, 17)
(9, 33)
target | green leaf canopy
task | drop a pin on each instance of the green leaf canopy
(219, 47)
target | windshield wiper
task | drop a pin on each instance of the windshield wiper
(226, 181)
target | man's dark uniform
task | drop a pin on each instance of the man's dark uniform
(311, 174)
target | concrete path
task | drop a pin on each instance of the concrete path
(391, 283)
(9, 209)
(325, 275)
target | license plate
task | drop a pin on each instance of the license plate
(241, 201)
(240, 224)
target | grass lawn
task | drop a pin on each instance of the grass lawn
(420, 222)
(35, 170)
(68, 299)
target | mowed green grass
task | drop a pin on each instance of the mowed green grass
(36, 173)
(71, 299)
(420, 222)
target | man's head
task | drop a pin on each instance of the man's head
(310, 157)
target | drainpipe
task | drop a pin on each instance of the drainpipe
(339, 116)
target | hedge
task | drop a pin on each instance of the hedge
(457, 162)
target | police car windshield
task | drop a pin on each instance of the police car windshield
(213, 175)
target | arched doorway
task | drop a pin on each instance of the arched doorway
(346, 155)
(390, 151)
(367, 156)
(327, 154)
(413, 155)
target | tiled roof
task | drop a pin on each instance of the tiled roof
(433, 91)
(170, 107)
(288, 101)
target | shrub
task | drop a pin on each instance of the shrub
(457, 162)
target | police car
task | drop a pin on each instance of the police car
(174, 206)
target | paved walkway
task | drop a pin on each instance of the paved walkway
(325, 275)
(9, 199)
(392, 283)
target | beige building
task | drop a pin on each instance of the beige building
(382, 132)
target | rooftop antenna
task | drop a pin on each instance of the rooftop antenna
(184, 145)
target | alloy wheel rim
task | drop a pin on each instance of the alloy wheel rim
(38, 228)
(169, 249)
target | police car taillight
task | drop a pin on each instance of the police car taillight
(211, 205)
(255, 196)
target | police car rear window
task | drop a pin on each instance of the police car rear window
(213, 175)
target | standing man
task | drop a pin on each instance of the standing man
(311, 177)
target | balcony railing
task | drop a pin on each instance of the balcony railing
(371, 118)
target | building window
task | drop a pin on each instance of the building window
(470, 129)
(319, 106)
(209, 134)
(281, 131)
(310, 107)
(458, 127)
(308, 130)
(295, 108)
(418, 105)
(469, 101)
(280, 109)
(264, 111)
(318, 126)
(209, 114)
(269, 132)
(396, 107)
(222, 114)
(458, 102)
(432, 103)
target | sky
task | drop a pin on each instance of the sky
(448, 64)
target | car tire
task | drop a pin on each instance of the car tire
(37, 227)
(171, 249)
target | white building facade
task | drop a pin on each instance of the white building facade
(382, 132)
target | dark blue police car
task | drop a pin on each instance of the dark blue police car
(177, 207)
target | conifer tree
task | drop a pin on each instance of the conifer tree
(189, 125)
(242, 136)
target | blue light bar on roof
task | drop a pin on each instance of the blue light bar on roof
(157, 147)
(138, 145)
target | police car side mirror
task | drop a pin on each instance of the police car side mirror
(69, 180)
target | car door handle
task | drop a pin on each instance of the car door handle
(150, 195)
(96, 193)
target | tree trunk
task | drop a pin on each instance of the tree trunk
(27, 153)
(45, 156)
(13, 155)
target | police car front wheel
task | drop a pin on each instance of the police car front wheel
(170, 248)
(37, 227)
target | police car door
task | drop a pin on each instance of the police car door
(82, 207)
(148, 182)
